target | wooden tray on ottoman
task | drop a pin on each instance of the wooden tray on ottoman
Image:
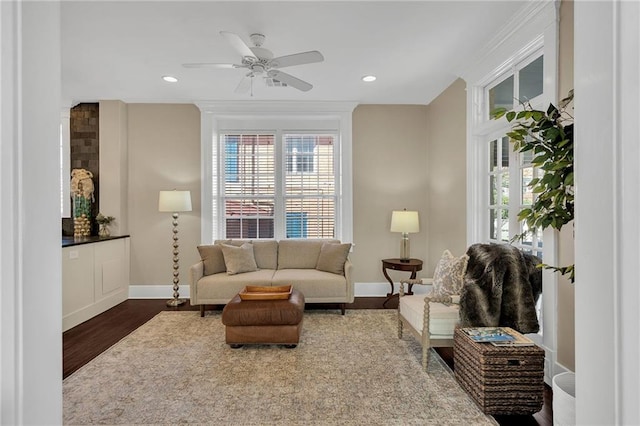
(252, 292)
(501, 380)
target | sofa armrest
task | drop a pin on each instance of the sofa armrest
(348, 274)
(195, 273)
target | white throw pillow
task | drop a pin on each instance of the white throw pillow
(448, 277)
(239, 259)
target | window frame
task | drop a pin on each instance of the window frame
(281, 175)
(296, 117)
(534, 28)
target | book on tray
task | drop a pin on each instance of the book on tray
(498, 336)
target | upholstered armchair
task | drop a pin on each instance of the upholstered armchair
(432, 318)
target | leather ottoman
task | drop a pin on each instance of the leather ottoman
(276, 322)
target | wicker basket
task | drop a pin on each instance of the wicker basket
(501, 380)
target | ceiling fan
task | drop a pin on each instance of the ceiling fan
(260, 62)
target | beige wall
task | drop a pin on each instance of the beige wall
(389, 173)
(446, 174)
(566, 298)
(114, 163)
(403, 157)
(164, 154)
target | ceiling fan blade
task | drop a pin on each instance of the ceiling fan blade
(244, 85)
(297, 59)
(290, 80)
(238, 44)
(209, 65)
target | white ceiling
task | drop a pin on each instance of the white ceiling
(121, 49)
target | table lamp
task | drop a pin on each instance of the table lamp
(174, 202)
(405, 222)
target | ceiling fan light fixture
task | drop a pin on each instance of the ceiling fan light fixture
(369, 78)
(260, 61)
(169, 79)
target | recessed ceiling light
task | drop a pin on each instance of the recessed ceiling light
(169, 79)
(369, 78)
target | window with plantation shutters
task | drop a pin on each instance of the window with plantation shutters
(309, 186)
(279, 185)
(249, 185)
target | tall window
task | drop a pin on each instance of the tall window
(509, 175)
(522, 69)
(499, 229)
(265, 200)
(509, 172)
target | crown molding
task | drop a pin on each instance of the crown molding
(546, 12)
(266, 108)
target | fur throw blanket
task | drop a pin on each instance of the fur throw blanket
(501, 288)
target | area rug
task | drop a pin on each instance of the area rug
(347, 370)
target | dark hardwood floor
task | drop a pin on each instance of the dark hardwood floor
(86, 341)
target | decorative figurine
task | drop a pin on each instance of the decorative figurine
(82, 191)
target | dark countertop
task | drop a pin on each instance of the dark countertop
(70, 241)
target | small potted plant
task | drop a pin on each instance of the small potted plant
(104, 222)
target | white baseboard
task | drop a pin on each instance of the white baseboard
(551, 366)
(156, 292)
(381, 289)
(166, 291)
(87, 312)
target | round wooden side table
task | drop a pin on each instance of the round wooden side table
(411, 265)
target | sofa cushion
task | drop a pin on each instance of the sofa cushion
(332, 257)
(448, 277)
(312, 283)
(266, 253)
(223, 286)
(239, 259)
(442, 318)
(212, 258)
(298, 254)
(236, 243)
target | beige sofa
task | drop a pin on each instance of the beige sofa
(320, 269)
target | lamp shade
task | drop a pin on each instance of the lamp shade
(405, 221)
(174, 201)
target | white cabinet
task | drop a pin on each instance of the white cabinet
(95, 277)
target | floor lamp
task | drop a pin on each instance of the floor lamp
(174, 202)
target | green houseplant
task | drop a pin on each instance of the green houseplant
(549, 136)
